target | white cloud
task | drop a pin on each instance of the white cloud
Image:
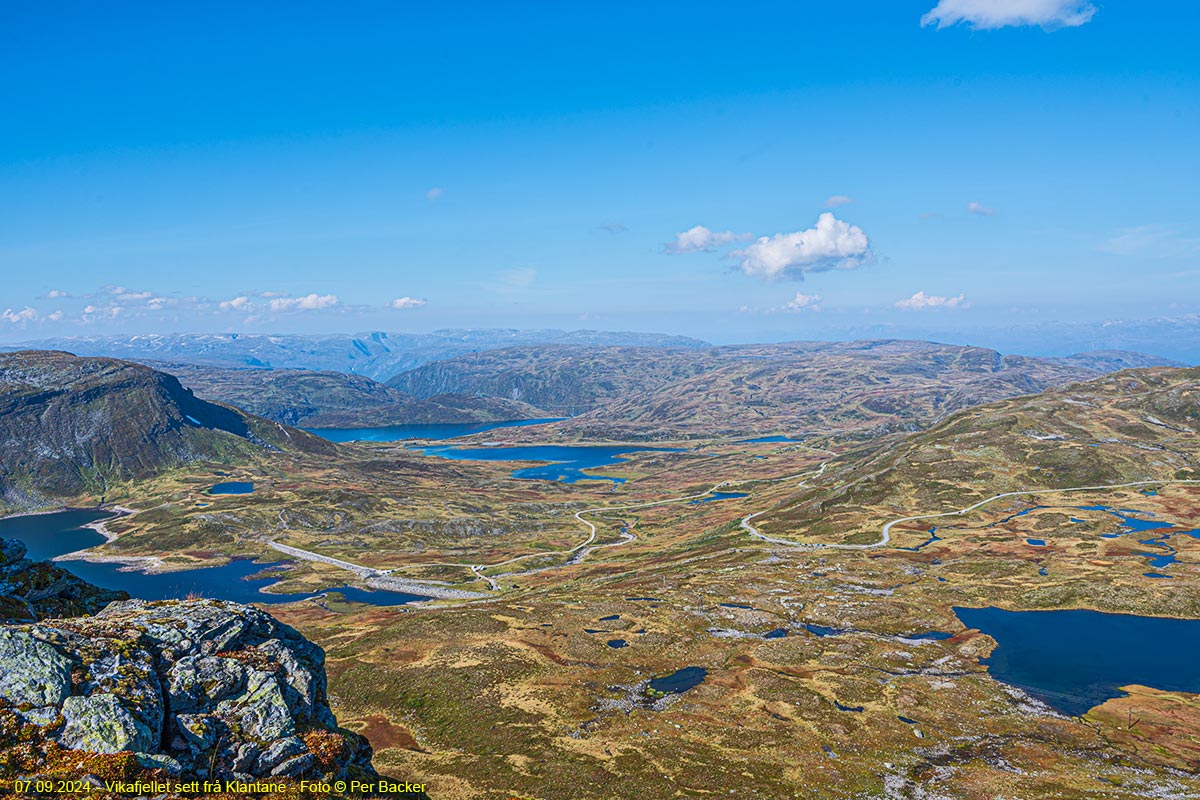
(700, 240)
(402, 303)
(239, 303)
(57, 293)
(803, 302)
(830, 244)
(838, 200)
(94, 312)
(992, 14)
(1151, 241)
(981, 209)
(435, 193)
(55, 316)
(921, 302)
(21, 317)
(309, 302)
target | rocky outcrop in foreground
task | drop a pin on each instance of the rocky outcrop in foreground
(33, 590)
(197, 688)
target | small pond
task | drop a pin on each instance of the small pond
(679, 681)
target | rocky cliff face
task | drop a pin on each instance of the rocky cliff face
(71, 426)
(198, 689)
(34, 590)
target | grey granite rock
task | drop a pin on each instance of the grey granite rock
(198, 688)
(32, 672)
(100, 723)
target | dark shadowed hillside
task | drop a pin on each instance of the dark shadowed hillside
(71, 425)
(335, 399)
(563, 379)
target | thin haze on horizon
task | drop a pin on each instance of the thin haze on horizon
(945, 169)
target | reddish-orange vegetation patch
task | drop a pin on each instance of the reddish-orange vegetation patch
(545, 651)
(382, 733)
(1162, 727)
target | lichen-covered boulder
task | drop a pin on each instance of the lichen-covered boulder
(32, 672)
(100, 723)
(197, 688)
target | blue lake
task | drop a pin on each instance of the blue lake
(567, 462)
(400, 433)
(1074, 660)
(232, 487)
(1131, 524)
(680, 681)
(767, 440)
(719, 496)
(46, 536)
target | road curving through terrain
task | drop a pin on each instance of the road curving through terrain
(886, 536)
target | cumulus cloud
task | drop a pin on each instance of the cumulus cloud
(54, 294)
(992, 14)
(92, 312)
(239, 303)
(838, 200)
(403, 303)
(700, 240)
(803, 302)
(981, 209)
(434, 193)
(21, 317)
(830, 244)
(309, 302)
(922, 302)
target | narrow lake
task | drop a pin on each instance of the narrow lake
(567, 462)
(46, 536)
(1074, 660)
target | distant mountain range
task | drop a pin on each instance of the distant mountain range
(673, 387)
(1115, 360)
(377, 355)
(75, 426)
(72, 426)
(799, 387)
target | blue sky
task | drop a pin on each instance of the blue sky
(646, 166)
